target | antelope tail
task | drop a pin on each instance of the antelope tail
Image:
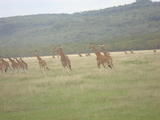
(47, 68)
(110, 66)
(70, 67)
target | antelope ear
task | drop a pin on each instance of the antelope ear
(102, 44)
(54, 49)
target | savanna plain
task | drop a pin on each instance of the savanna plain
(129, 91)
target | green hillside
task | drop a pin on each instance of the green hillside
(116, 27)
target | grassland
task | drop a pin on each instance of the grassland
(130, 91)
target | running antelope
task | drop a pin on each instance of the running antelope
(42, 63)
(107, 55)
(64, 60)
(100, 58)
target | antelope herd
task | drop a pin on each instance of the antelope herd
(17, 64)
(21, 66)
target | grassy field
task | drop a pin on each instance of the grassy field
(129, 91)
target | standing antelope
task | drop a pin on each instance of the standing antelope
(125, 52)
(154, 50)
(79, 55)
(131, 52)
(88, 54)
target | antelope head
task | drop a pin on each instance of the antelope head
(101, 45)
(35, 52)
(60, 47)
(55, 49)
(91, 45)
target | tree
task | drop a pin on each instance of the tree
(143, 0)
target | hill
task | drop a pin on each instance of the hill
(25, 34)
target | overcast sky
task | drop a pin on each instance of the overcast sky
(29, 7)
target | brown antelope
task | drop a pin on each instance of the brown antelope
(14, 64)
(80, 55)
(154, 50)
(88, 54)
(6, 64)
(42, 63)
(131, 52)
(64, 60)
(107, 55)
(21, 64)
(68, 61)
(53, 56)
(3, 67)
(25, 64)
(100, 58)
(125, 52)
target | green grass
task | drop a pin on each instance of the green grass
(136, 62)
(130, 91)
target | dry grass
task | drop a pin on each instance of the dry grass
(129, 91)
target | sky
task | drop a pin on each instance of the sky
(10, 8)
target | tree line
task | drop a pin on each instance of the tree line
(133, 26)
(131, 42)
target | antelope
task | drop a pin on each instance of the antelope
(63, 58)
(100, 58)
(42, 63)
(107, 55)
(14, 64)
